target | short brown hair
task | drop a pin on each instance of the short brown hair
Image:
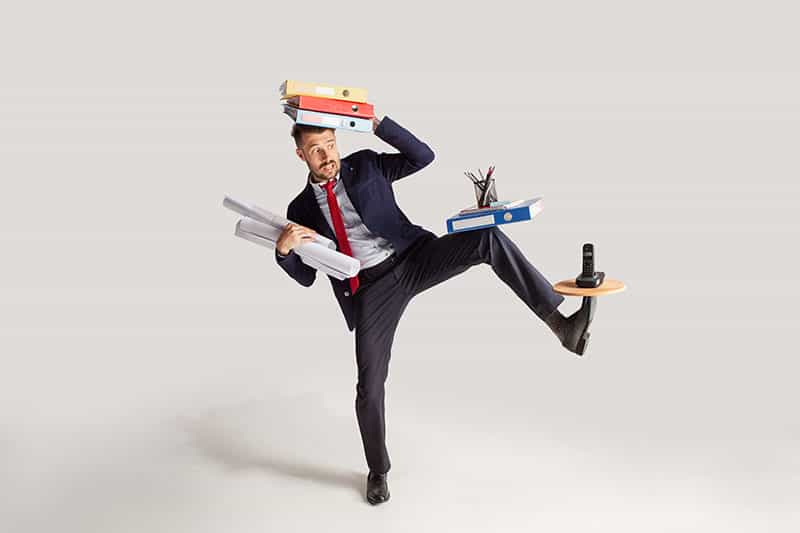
(299, 129)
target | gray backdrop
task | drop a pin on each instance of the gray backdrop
(160, 374)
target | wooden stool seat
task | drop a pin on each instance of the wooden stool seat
(568, 287)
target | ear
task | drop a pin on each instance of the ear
(300, 154)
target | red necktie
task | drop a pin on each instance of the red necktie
(338, 226)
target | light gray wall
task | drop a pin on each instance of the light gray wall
(664, 133)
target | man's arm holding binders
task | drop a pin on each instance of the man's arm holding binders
(414, 154)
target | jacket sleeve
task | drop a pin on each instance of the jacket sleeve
(414, 154)
(292, 264)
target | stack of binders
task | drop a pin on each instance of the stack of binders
(327, 106)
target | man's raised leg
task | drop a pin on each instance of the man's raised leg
(449, 255)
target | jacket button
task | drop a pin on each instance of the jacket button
(347, 293)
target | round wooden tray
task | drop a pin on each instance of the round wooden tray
(609, 286)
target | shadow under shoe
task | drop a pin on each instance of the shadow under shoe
(377, 488)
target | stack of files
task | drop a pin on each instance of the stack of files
(262, 227)
(499, 213)
(328, 106)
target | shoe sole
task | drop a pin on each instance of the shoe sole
(376, 502)
(583, 343)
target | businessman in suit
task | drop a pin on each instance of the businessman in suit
(350, 201)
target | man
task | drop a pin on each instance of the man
(351, 202)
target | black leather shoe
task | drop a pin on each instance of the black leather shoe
(377, 488)
(575, 333)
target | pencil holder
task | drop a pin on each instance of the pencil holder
(491, 196)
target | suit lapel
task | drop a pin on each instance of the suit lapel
(348, 180)
(315, 213)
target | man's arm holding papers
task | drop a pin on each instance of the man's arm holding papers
(291, 236)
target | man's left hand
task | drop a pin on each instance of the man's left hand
(375, 122)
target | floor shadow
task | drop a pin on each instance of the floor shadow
(212, 440)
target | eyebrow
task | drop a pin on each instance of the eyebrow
(315, 144)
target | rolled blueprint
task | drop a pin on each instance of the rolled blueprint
(313, 254)
(339, 265)
(262, 215)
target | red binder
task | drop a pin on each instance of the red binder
(331, 105)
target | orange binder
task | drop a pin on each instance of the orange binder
(330, 105)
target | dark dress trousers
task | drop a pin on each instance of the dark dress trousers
(421, 261)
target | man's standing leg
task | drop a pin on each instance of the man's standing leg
(378, 308)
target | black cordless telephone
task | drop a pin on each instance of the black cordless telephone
(588, 260)
(589, 279)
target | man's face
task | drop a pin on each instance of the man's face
(319, 152)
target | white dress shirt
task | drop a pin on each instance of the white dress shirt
(368, 248)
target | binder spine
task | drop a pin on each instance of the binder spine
(330, 105)
(294, 88)
(497, 218)
(328, 120)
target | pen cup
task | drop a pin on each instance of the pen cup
(490, 197)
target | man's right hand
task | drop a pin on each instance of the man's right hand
(293, 235)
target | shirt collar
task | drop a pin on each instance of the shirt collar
(321, 186)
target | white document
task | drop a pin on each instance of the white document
(314, 254)
(339, 265)
(262, 215)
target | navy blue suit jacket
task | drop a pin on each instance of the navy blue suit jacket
(367, 177)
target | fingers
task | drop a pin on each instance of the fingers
(297, 227)
(300, 231)
(302, 234)
(295, 234)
